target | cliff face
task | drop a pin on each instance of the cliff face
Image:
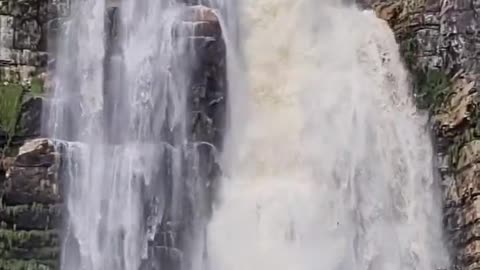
(30, 203)
(440, 44)
(30, 212)
(31, 190)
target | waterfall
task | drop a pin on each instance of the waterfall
(333, 165)
(119, 116)
(326, 163)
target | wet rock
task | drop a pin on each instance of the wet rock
(441, 36)
(199, 13)
(388, 11)
(27, 34)
(468, 181)
(30, 191)
(37, 153)
(30, 185)
(31, 217)
(30, 118)
(30, 209)
(30, 196)
(207, 110)
(6, 31)
(53, 9)
(33, 177)
(459, 107)
(28, 245)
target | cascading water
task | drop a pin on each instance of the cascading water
(333, 168)
(326, 163)
(119, 114)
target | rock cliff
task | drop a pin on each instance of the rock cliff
(30, 203)
(30, 210)
(31, 190)
(439, 40)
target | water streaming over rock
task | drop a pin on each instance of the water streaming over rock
(333, 168)
(121, 116)
(326, 162)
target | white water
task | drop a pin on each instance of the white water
(122, 134)
(333, 165)
(327, 163)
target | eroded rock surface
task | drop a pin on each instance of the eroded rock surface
(30, 208)
(31, 192)
(207, 111)
(440, 45)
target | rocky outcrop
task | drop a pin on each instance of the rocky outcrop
(439, 42)
(27, 28)
(29, 193)
(30, 208)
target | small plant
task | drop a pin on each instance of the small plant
(10, 105)
(432, 87)
(36, 87)
(409, 49)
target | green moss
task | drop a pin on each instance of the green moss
(47, 253)
(432, 86)
(28, 239)
(36, 87)
(21, 209)
(34, 216)
(6, 264)
(28, 250)
(10, 105)
(409, 50)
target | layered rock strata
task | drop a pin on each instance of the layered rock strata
(30, 202)
(31, 191)
(30, 209)
(439, 40)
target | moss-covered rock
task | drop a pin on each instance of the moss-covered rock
(15, 264)
(10, 106)
(432, 86)
(28, 239)
(37, 86)
(44, 253)
(20, 109)
(31, 217)
(30, 116)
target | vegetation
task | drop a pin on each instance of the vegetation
(11, 97)
(10, 106)
(28, 239)
(19, 248)
(36, 87)
(409, 48)
(46, 253)
(432, 86)
(27, 264)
